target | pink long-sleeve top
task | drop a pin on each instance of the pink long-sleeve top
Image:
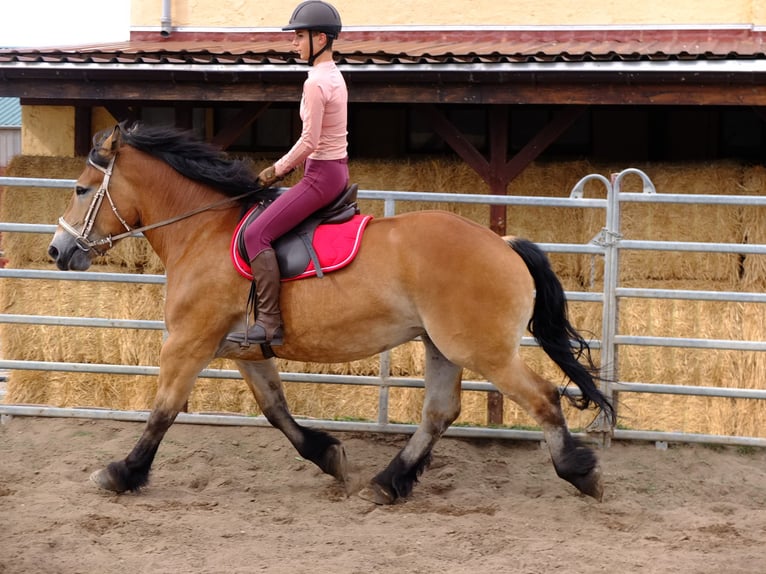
(324, 113)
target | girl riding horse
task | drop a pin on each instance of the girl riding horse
(322, 146)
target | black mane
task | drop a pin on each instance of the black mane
(188, 155)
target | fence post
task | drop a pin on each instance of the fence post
(607, 238)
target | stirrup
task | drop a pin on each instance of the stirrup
(256, 335)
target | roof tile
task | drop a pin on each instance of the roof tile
(521, 47)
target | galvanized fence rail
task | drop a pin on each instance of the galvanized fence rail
(608, 244)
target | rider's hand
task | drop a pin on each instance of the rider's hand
(268, 176)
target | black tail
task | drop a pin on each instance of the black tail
(551, 328)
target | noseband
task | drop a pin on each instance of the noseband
(81, 237)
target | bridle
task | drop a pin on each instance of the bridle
(81, 237)
(86, 244)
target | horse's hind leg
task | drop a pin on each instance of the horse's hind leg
(440, 408)
(573, 462)
(317, 446)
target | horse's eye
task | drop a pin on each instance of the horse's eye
(80, 190)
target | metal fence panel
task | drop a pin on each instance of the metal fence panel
(608, 244)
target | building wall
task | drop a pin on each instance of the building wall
(47, 130)
(37, 137)
(275, 13)
(10, 144)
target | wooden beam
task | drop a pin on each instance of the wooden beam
(561, 121)
(239, 123)
(153, 92)
(457, 141)
(498, 155)
(82, 130)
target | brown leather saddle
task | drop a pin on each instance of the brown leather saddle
(295, 248)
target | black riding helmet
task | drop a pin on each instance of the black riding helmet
(316, 16)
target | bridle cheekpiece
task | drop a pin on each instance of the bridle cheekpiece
(81, 237)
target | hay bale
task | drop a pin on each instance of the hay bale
(680, 366)
(679, 222)
(426, 175)
(541, 224)
(555, 224)
(34, 205)
(77, 344)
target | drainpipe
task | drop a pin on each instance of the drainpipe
(165, 23)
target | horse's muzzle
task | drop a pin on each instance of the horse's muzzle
(67, 255)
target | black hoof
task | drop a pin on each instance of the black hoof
(117, 478)
(590, 484)
(580, 468)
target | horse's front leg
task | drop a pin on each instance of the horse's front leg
(317, 446)
(178, 373)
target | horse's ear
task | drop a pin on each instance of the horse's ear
(112, 141)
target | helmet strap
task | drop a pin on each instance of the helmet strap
(312, 55)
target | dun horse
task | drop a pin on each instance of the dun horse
(467, 293)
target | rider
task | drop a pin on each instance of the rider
(322, 148)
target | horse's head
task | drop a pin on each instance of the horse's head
(86, 230)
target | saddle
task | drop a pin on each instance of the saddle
(295, 249)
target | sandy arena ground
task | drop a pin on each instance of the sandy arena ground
(238, 500)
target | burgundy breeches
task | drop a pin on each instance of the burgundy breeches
(322, 182)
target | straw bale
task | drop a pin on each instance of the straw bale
(679, 366)
(541, 224)
(554, 224)
(679, 222)
(222, 396)
(339, 402)
(77, 344)
(34, 205)
(425, 175)
(548, 224)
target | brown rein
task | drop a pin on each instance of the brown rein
(81, 237)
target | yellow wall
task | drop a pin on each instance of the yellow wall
(274, 13)
(101, 120)
(47, 130)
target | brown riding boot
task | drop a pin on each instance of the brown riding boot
(268, 319)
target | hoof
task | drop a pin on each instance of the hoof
(102, 479)
(591, 484)
(336, 463)
(377, 494)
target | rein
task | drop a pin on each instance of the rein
(81, 237)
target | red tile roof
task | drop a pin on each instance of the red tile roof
(414, 49)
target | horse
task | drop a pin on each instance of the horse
(467, 293)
